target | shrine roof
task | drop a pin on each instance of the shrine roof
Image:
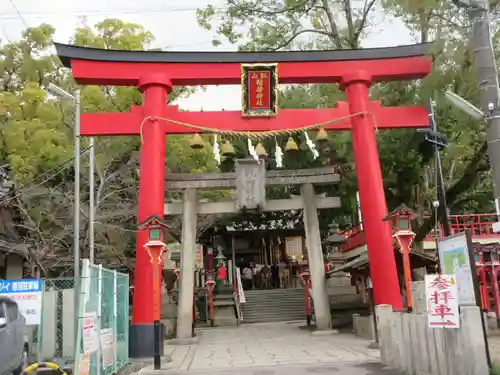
(67, 53)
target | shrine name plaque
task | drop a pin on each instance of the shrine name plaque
(250, 184)
(259, 87)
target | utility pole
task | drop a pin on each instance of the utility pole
(75, 99)
(91, 201)
(487, 78)
(438, 142)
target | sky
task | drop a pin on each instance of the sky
(174, 26)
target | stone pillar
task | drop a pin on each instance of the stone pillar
(315, 254)
(185, 305)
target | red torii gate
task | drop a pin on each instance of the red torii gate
(155, 73)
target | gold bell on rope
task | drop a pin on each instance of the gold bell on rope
(260, 150)
(322, 135)
(291, 145)
(227, 150)
(196, 142)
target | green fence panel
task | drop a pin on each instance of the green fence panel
(103, 319)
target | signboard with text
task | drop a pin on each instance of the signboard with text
(89, 333)
(199, 256)
(28, 295)
(455, 260)
(441, 294)
(108, 347)
(259, 85)
(293, 246)
(250, 184)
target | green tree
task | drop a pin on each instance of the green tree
(406, 161)
(37, 136)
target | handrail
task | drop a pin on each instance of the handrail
(480, 225)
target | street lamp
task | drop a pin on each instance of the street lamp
(478, 114)
(464, 105)
(64, 95)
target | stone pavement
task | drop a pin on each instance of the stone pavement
(341, 368)
(494, 345)
(269, 345)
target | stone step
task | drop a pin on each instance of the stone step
(297, 301)
(273, 305)
(285, 307)
(269, 319)
(273, 292)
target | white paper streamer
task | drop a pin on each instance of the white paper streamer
(278, 155)
(216, 149)
(251, 149)
(312, 146)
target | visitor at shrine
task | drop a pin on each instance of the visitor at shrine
(275, 276)
(257, 284)
(265, 273)
(282, 269)
(247, 278)
(221, 277)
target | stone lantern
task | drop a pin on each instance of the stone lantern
(401, 223)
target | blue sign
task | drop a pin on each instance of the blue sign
(20, 286)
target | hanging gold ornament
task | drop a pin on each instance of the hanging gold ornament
(227, 149)
(260, 150)
(291, 145)
(322, 135)
(196, 142)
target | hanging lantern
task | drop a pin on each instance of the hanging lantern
(227, 150)
(196, 142)
(322, 135)
(260, 150)
(291, 145)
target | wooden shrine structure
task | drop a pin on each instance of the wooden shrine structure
(250, 181)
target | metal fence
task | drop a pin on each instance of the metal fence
(103, 318)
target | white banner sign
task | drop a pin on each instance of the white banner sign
(28, 295)
(107, 347)
(441, 293)
(455, 260)
(89, 333)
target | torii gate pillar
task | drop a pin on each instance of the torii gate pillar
(155, 88)
(371, 191)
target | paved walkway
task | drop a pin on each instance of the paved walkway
(269, 345)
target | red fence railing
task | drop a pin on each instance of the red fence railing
(480, 225)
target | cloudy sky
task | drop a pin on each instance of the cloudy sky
(173, 25)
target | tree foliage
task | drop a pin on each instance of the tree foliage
(36, 131)
(37, 139)
(406, 160)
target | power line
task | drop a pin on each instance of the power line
(100, 12)
(19, 13)
(52, 173)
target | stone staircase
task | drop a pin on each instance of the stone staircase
(344, 301)
(225, 307)
(274, 305)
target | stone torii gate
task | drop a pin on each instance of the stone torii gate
(252, 175)
(155, 73)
